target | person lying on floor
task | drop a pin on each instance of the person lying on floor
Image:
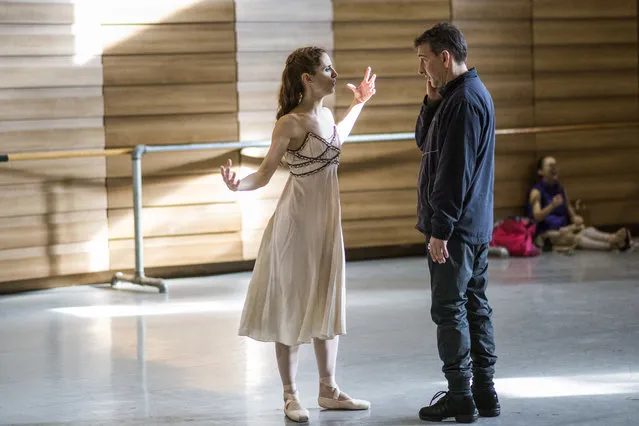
(558, 224)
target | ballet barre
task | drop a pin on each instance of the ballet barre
(138, 152)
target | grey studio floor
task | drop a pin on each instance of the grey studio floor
(567, 332)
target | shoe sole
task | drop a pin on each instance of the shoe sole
(337, 405)
(489, 413)
(302, 419)
(463, 418)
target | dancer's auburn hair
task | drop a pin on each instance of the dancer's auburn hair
(300, 61)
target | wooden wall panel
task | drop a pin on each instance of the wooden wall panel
(170, 129)
(490, 27)
(386, 63)
(169, 99)
(573, 86)
(362, 35)
(283, 11)
(513, 167)
(52, 197)
(581, 9)
(379, 204)
(524, 144)
(119, 12)
(180, 250)
(184, 71)
(50, 229)
(54, 261)
(502, 61)
(592, 163)
(619, 187)
(511, 193)
(507, 33)
(33, 104)
(52, 212)
(385, 119)
(575, 58)
(177, 220)
(169, 69)
(579, 111)
(384, 11)
(37, 40)
(171, 191)
(378, 180)
(580, 140)
(267, 32)
(390, 92)
(492, 10)
(38, 13)
(62, 170)
(49, 71)
(170, 78)
(380, 233)
(174, 165)
(280, 36)
(613, 212)
(587, 84)
(599, 32)
(499, 37)
(48, 135)
(379, 166)
(163, 39)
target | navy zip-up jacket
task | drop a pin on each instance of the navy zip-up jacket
(457, 139)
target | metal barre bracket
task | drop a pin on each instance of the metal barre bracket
(120, 277)
(139, 277)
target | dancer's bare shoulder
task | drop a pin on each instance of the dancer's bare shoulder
(290, 127)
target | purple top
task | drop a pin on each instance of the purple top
(559, 217)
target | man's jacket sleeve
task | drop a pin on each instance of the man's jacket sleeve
(424, 119)
(455, 168)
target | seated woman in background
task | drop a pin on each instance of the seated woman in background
(557, 221)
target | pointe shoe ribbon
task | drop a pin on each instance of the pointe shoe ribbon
(293, 409)
(341, 401)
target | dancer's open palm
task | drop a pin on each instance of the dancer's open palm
(366, 88)
(229, 177)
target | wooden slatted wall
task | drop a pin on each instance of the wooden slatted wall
(585, 60)
(181, 71)
(52, 213)
(267, 32)
(378, 180)
(170, 78)
(499, 37)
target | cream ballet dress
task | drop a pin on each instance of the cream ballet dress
(297, 290)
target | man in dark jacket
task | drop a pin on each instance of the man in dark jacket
(456, 134)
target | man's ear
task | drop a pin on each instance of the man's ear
(448, 58)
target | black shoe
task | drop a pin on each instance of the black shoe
(487, 402)
(462, 408)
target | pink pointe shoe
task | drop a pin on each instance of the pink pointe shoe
(341, 401)
(293, 408)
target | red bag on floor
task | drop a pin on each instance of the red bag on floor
(516, 235)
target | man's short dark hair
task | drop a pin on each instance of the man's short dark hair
(445, 36)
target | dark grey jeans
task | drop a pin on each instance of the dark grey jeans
(465, 336)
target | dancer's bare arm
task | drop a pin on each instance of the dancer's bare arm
(285, 130)
(535, 201)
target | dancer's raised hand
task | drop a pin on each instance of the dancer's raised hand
(229, 177)
(366, 88)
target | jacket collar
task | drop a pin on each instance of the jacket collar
(456, 82)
